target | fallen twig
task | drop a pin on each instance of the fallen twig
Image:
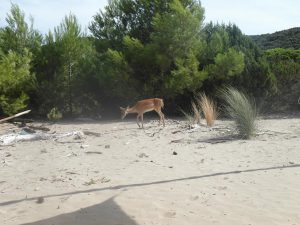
(86, 132)
(67, 142)
(272, 132)
(177, 140)
(14, 116)
(176, 131)
(93, 152)
(38, 128)
(218, 140)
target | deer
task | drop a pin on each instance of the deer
(143, 106)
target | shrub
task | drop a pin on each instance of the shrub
(241, 109)
(54, 114)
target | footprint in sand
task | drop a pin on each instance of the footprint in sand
(194, 198)
(170, 214)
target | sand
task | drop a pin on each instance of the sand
(122, 175)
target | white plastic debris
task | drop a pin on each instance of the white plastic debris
(9, 139)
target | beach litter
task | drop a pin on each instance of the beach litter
(30, 135)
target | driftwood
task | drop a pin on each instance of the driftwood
(177, 140)
(176, 131)
(14, 116)
(218, 140)
(23, 120)
(86, 132)
(38, 128)
(215, 140)
(93, 152)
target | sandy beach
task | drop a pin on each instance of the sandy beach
(117, 174)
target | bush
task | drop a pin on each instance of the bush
(54, 114)
(241, 109)
(16, 81)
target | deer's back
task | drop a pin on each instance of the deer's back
(149, 104)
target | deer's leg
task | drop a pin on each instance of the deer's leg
(142, 117)
(158, 112)
(163, 117)
(137, 120)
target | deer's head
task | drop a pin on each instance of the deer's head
(124, 112)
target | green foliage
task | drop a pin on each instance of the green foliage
(115, 77)
(11, 105)
(185, 75)
(216, 40)
(126, 17)
(18, 35)
(158, 43)
(285, 65)
(282, 39)
(176, 37)
(139, 49)
(177, 31)
(232, 58)
(227, 64)
(54, 114)
(19, 45)
(66, 69)
(15, 81)
(241, 109)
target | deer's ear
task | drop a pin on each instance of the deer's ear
(122, 108)
(127, 107)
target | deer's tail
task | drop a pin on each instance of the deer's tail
(162, 103)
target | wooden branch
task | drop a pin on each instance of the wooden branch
(93, 152)
(86, 132)
(38, 128)
(14, 116)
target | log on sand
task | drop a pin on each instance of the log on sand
(14, 116)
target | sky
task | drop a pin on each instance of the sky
(251, 16)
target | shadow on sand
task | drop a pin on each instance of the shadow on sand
(105, 213)
(155, 182)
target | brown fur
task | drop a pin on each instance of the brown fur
(143, 106)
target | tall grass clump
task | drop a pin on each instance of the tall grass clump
(208, 107)
(193, 116)
(188, 116)
(196, 113)
(241, 109)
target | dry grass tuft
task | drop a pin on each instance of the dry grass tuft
(196, 113)
(189, 117)
(193, 116)
(208, 107)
